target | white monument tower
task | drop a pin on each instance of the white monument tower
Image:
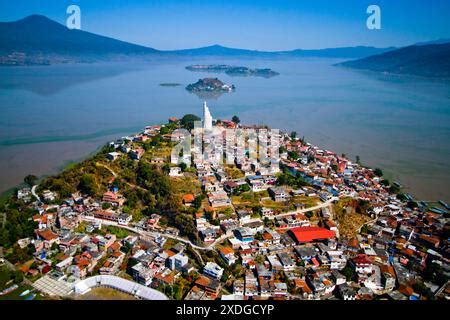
(207, 118)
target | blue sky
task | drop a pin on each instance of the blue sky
(258, 24)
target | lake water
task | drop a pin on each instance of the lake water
(53, 115)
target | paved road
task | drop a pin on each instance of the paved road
(33, 192)
(155, 234)
(186, 241)
(290, 213)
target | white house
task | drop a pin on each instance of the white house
(112, 156)
(175, 172)
(213, 270)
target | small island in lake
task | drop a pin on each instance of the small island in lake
(170, 84)
(233, 70)
(209, 88)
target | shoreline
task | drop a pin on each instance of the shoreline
(388, 174)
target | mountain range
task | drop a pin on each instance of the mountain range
(345, 52)
(37, 39)
(41, 37)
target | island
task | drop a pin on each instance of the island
(169, 84)
(209, 88)
(233, 70)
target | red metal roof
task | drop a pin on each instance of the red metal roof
(309, 234)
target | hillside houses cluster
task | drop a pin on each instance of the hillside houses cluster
(276, 249)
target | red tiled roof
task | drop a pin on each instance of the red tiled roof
(362, 259)
(202, 281)
(267, 236)
(115, 246)
(47, 234)
(170, 253)
(301, 284)
(188, 198)
(226, 250)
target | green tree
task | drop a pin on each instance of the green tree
(197, 202)
(394, 189)
(349, 273)
(309, 214)
(164, 130)
(156, 140)
(17, 277)
(4, 237)
(293, 155)
(106, 205)
(186, 225)
(183, 166)
(88, 184)
(412, 204)
(30, 180)
(378, 172)
(188, 120)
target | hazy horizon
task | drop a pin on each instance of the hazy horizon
(264, 26)
(390, 122)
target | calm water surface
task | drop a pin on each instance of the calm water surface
(53, 115)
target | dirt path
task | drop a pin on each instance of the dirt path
(115, 175)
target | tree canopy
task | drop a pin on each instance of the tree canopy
(88, 184)
(188, 120)
(378, 172)
(30, 180)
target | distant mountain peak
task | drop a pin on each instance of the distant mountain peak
(39, 36)
(36, 19)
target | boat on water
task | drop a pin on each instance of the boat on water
(397, 184)
(423, 203)
(9, 289)
(445, 205)
(31, 297)
(437, 210)
(24, 293)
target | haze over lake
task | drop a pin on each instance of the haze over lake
(56, 114)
